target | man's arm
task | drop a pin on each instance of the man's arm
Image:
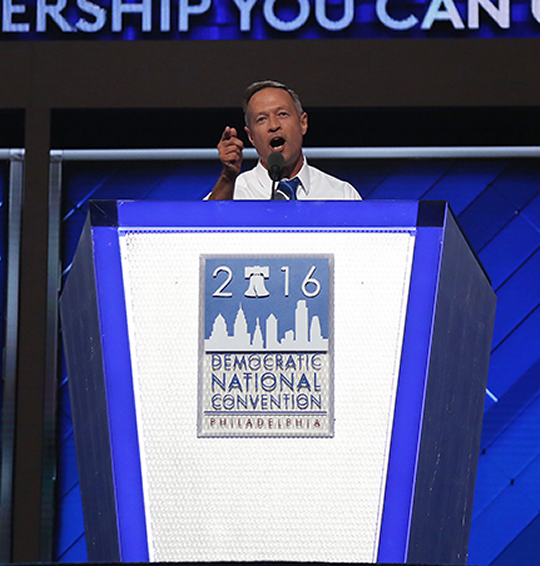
(230, 149)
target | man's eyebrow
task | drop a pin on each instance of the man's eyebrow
(280, 108)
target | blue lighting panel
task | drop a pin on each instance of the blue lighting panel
(122, 421)
(213, 214)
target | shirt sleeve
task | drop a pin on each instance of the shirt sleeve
(352, 193)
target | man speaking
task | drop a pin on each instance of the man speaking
(275, 124)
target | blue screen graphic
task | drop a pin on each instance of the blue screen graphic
(267, 19)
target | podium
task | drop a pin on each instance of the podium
(276, 381)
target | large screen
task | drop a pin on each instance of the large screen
(267, 19)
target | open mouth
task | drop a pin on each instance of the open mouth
(277, 143)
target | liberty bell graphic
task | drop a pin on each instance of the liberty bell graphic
(256, 275)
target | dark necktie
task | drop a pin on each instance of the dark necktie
(286, 190)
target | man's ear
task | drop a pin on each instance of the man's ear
(248, 132)
(304, 123)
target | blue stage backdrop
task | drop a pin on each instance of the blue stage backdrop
(498, 205)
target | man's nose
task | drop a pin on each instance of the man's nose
(273, 124)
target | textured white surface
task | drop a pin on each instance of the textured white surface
(289, 499)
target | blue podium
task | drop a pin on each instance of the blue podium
(276, 381)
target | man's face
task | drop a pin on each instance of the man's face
(275, 126)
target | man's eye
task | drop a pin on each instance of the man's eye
(261, 119)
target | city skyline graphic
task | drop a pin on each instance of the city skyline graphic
(306, 335)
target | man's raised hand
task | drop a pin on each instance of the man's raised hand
(230, 148)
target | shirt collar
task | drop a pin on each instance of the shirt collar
(266, 182)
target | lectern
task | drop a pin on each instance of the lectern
(276, 381)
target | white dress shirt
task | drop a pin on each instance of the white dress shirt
(256, 184)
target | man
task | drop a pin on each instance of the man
(275, 123)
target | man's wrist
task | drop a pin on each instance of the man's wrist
(229, 174)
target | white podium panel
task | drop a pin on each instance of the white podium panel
(272, 497)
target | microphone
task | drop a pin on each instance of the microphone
(276, 165)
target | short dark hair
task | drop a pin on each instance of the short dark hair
(261, 85)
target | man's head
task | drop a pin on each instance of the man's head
(275, 122)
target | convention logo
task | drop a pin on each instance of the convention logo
(266, 351)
